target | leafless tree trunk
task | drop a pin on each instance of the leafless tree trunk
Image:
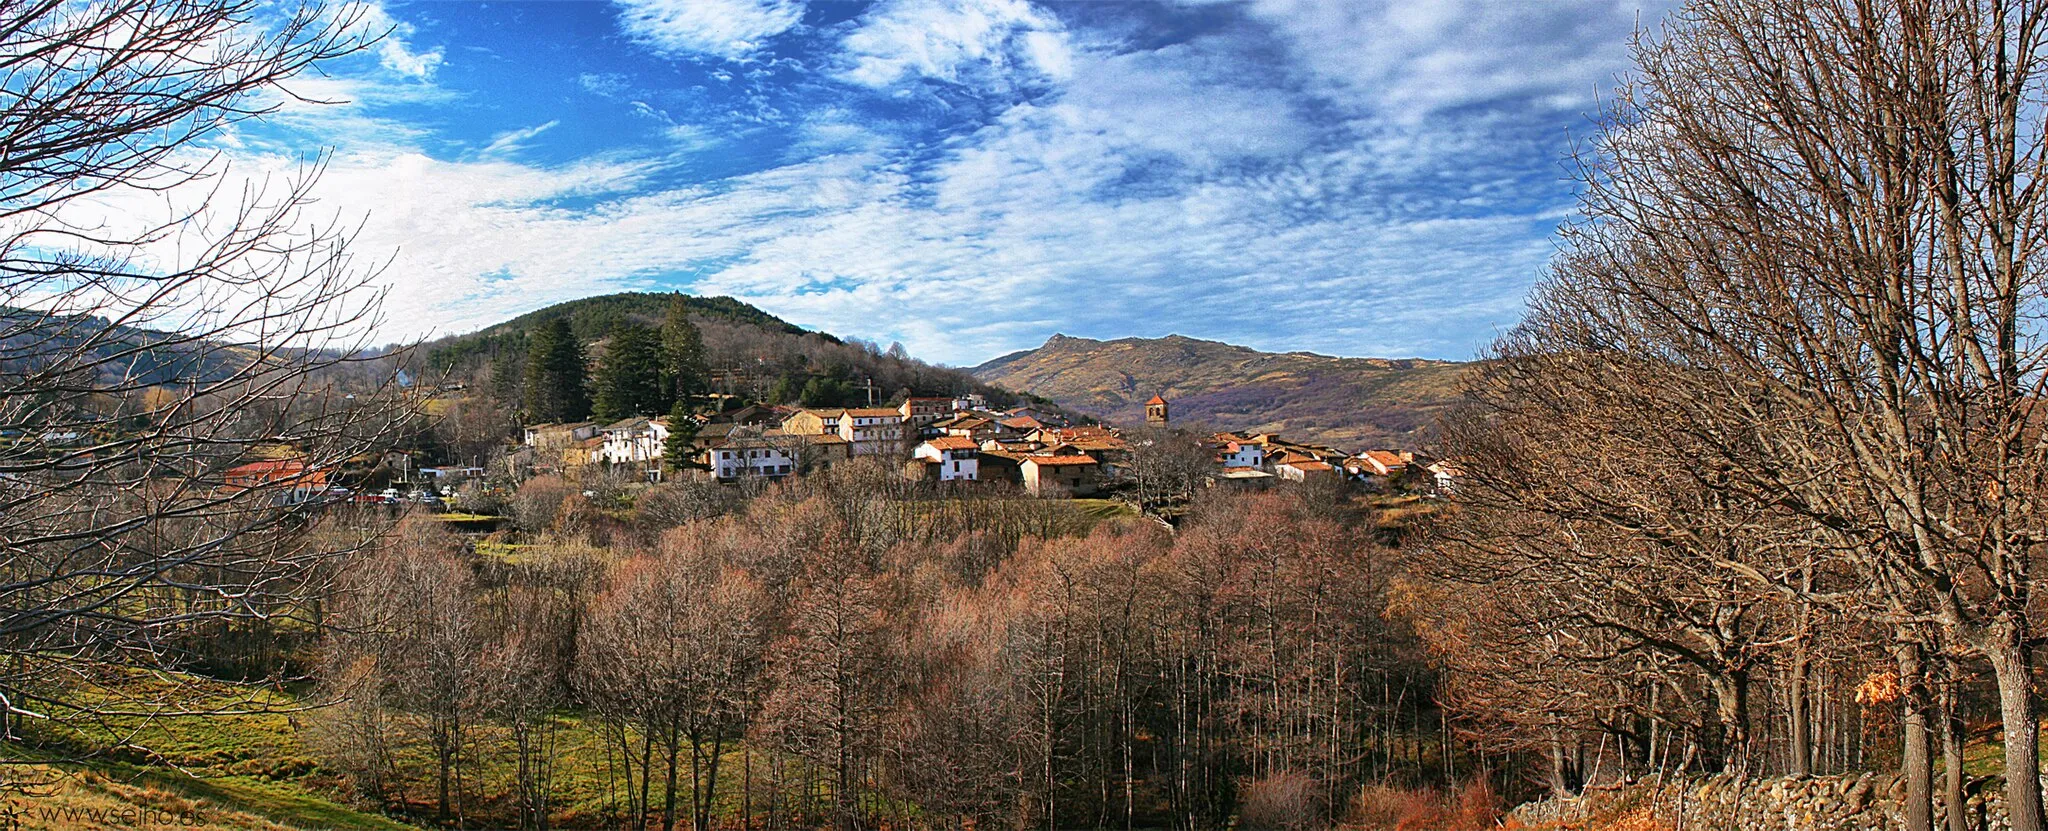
(158, 330)
(1811, 242)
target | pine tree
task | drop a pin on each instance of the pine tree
(508, 377)
(629, 377)
(683, 361)
(788, 389)
(677, 452)
(555, 370)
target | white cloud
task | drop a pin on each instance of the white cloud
(1138, 190)
(513, 141)
(604, 84)
(394, 52)
(396, 57)
(954, 41)
(1410, 59)
(728, 29)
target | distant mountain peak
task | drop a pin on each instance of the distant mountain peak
(1354, 403)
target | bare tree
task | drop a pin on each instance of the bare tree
(1811, 239)
(671, 651)
(526, 669)
(160, 327)
(832, 678)
(1167, 467)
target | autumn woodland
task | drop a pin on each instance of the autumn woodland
(1755, 490)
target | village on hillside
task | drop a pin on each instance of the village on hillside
(952, 440)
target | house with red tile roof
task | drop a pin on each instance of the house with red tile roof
(1306, 470)
(1241, 455)
(1060, 475)
(873, 431)
(1384, 462)
(291, 480)
(919, 411)
(958, 458)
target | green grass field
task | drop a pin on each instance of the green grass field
(1101, 509)
(263, 770)
(249, 769)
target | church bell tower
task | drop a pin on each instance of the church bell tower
(1155, 412)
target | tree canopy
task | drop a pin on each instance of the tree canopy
(555, 370)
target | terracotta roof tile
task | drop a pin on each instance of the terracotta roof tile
(1060, 461)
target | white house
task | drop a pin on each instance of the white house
(1239, 454)
(637, 439)
(958, 458)
(750, 456)
(1444, 475)
(1305, 470)
(873, 431)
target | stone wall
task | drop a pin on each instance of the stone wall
(1864, 802)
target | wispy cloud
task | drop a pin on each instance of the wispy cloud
(969, 177)
(512, 141)
(728, 29)
(1409, 59)
(395, 50)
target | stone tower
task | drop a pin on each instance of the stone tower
(1155, 412)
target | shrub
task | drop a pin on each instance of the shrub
(1473, 806)
(1285, 801)
(538, 502)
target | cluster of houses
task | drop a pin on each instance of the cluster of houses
(936, 438)
(1257, 459)
(942, 439)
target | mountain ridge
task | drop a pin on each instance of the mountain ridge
(1347, 402)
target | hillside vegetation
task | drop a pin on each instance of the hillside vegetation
(749, 352)
(1345, 402)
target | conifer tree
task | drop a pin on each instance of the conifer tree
(555, 389)
(683, 361)
(629, 377)
(676, 452)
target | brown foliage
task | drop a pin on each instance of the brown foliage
(1473, 806)
(1287, 800)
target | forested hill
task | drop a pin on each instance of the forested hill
(751, 352)
(1352, 403)
(591, 318)
(30, 341)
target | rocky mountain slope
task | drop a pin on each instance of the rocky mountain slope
(1352, 403)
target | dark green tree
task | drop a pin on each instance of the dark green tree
(555, 388)
(787, 390)
(629, 377)
(677, 453)
(683, 363)
(508, 378)
(826, 392)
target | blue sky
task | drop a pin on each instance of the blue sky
(972, 176)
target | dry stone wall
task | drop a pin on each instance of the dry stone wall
(1863, 802)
